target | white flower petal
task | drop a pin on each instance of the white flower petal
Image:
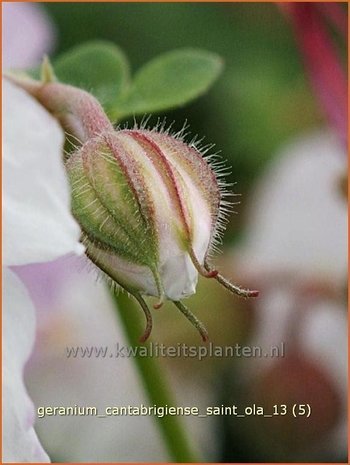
(38, 225)
(20, 442)
(298, 218)
(179, 277)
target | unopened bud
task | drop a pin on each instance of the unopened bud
(149, 204)
(149, 208)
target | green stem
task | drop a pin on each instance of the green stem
(154, 382)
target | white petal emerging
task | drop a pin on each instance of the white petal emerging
(20, 443)
(38, 225)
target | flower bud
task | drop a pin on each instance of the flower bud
(150, 206)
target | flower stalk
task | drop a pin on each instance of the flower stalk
(155, 384)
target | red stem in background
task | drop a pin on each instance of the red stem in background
(321, 58)
(335, 14)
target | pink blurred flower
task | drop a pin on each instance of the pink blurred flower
(26, 35)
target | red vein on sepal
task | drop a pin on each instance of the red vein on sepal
(155, 154)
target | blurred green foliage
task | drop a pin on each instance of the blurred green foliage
(261, 99)
(99, 67)
(170, 80)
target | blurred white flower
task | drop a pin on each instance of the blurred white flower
(79, 312)
(20, 443)
(297, 229)
(75, 310)
(298, 220)
(296, 248)
(38, 227)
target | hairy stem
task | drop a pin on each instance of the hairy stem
(193, 320)
(155, 384)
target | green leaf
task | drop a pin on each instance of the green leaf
(99, 67)
(169, 81)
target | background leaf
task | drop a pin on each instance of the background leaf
(99, 67)
(169, 81)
